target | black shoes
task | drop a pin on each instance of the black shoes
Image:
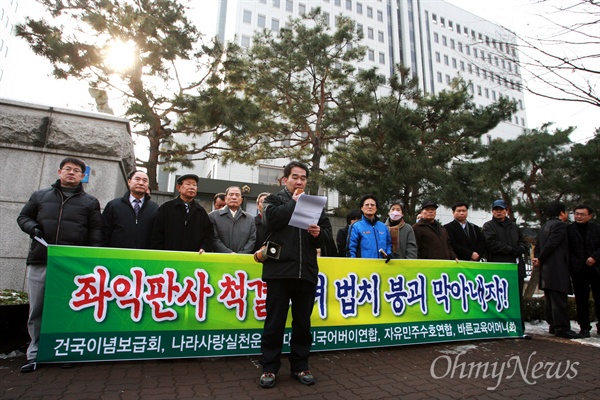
(305, 377)
(584, 333)
(568, 334)
(267, 380)
(29, 366)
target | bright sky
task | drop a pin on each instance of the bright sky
(28, 80)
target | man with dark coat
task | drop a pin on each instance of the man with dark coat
(505, 243)
(292, 278)
(128, 220)
(62, 214)
(552, 258)
(235, 231)
(584, 252)
(466, 238)
(182, 224)
(433, 241)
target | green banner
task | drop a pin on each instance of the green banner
(120, 304)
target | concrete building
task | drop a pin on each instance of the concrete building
(33, 141)
(437, 40)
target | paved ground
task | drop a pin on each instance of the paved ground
(542, 368)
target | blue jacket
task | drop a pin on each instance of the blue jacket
(367, 237)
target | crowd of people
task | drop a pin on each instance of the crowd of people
(65, 214)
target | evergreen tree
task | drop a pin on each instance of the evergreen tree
(301, 79)
(528, 172)
(79, 38)
(411, 143)
(584, 172)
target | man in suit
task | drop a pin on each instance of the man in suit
(466, 238)
(552, 258)
(584, 253)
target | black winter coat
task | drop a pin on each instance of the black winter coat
(464, 245)
(580, 250)
(298, 258)
(504, 242)
(71, 221)
(552, 251)
(121, 228)
(174, 229)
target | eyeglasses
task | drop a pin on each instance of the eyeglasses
(75, 170)
(581, 214)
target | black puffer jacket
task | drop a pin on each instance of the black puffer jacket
(71, 221)
(122, 228)
(298, 258)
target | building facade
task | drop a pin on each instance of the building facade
(436, 40)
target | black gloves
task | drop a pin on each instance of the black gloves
(36, 232)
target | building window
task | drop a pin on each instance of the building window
(460, 48)
(458, 29)
(450, 25)
(269, 176)
(275, 24)
(452, 44)
(326, 19)
(247, 18)
(462, 66)
(448, 80)
(454, 62)
(468, 50)
(261, 21)
(245, 42)
(442, 22)
(370, 33)
(479, 90)
(381, 58)
(438, 56)
(475, 52)
(494, 95)
(302, 9)
(276, 3)
(446, 60)
(348, 4)
(359, 8)
(370, 12)
(338, 3)
(444, 41)
(289, 5)
(439, 77)
(380, 36)
(487, 93)
(436, 38)
(360, 29)
(371, 55)
(379, 16)
(434, 18)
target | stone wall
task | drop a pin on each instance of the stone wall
(33, 141)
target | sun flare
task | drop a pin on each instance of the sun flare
(120, 55)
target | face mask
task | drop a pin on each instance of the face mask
(395, 215)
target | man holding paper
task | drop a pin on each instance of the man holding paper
(292, 277)
(61, 214)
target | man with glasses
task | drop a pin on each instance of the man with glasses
(369, 237)
(234, 228)
(61, 214)
(182, 224)
(584, 254)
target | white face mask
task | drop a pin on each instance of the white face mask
(395, 215)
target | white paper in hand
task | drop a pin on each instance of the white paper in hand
(308, 210)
